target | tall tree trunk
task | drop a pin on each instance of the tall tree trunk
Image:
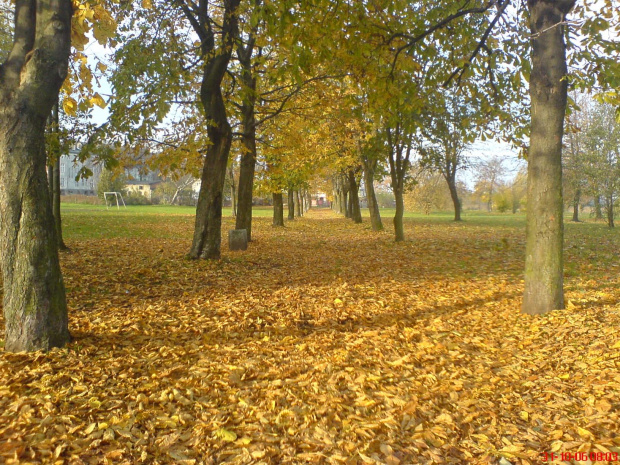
(598, 210)
(278, 209)
(356, 213)
(548, 93)
(50, 178)
(515, 200)
(233, 190)
(291, 204)
(302, 202)
(208, 226)
(34, 301)
(610, 211)
(298, 204)
(451, 180)
(346, 201)
(248, 139)
(399, 230)
(576, 199)
(55, 178)
(371, 198)
(56, 206)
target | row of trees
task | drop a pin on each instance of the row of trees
(367, 84)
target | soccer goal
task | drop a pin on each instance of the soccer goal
(116, 195)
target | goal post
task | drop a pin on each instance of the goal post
(116, 195)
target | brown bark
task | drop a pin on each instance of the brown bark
(278, 209)
(233, 191)
(548, 92)
(356, 213)
(55, 179)
(208, 226)
(610, 211)
(369, 184)
(248, 139)
(34, 302)
(597, 208)
(454, 195)
(298, 205)
(291, 204)
(398, 157)
(56, 206)
(576, 199)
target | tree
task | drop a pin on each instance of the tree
(489, 177)
(603, 157)
(447, 134)
(399, 146)
(35, 307)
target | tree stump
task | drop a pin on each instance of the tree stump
(238, 239)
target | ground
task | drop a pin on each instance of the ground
(323, 343)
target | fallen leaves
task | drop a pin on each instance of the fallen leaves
(323, 343)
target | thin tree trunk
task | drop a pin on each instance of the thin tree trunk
(248, 160)
(597, 208)
(399, 230)
(515, 201)
(233, 190)
(278, 209)
(548, 93)
(576, 205)
(298, 205)
(34, 301)
(356, 213)
(371, 198)
(56, 206)
(55, 178)
(291, 204)
(50, 178)
(455, 197)
(610, 211)
(302, 202)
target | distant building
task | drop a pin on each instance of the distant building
(139, 179)
(70, 169)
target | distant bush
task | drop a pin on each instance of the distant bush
(502, 203)
(134, 198)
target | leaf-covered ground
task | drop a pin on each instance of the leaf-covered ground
(323, 343)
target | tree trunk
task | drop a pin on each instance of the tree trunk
(291, 204)
(451, 180)
(302, 202)
(356, 213)
(50, 179)
(610, 211)
(56, 206)
(371, 198)
(597, 208)
(55, 179)
(34, 301)
(233, 191)
(399, 230)
(248, 140)
(344, 203)
(208, 226)
(298, 205)
(278, 209)
(576, 206)
(548, 93)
